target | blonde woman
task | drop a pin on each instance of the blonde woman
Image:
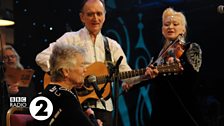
(174, 99)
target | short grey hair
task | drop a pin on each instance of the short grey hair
(85, 1)
(60, 58)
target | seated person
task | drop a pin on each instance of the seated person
(12, 60)
(67, 72)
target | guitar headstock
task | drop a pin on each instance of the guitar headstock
(168, 69)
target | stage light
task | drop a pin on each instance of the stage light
(6, 18)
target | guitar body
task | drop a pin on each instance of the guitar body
(100, 70)
(96, 69)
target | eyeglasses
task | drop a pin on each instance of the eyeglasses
(9, 57)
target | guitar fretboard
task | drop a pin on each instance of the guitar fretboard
(163, 69)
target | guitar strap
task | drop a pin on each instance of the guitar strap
(108, 59)
(107, 49)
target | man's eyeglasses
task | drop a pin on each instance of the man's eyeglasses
(9, 57)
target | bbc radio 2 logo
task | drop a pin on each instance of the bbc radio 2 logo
(41, 108)
(18, 102)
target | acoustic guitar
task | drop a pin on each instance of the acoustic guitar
(100, 70)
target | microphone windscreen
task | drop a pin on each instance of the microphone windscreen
(91, 79)
(220, 9)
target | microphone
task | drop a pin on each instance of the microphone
(220, 9)
(118, 61)
(92, 80)
(113, 68)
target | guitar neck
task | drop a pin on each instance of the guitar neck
(132, 73)
(121, 75)
(163, 69)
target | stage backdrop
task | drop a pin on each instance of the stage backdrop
(136, 25)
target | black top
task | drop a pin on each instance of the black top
(71, 112)
(175, 98)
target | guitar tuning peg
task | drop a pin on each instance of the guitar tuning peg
(175, 73)
(169, 74)
(164, 74)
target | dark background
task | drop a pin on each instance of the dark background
(136, 25)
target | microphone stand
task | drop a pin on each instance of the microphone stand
(109, 78)
(116, 89)
(112, 70)
(4, 101)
